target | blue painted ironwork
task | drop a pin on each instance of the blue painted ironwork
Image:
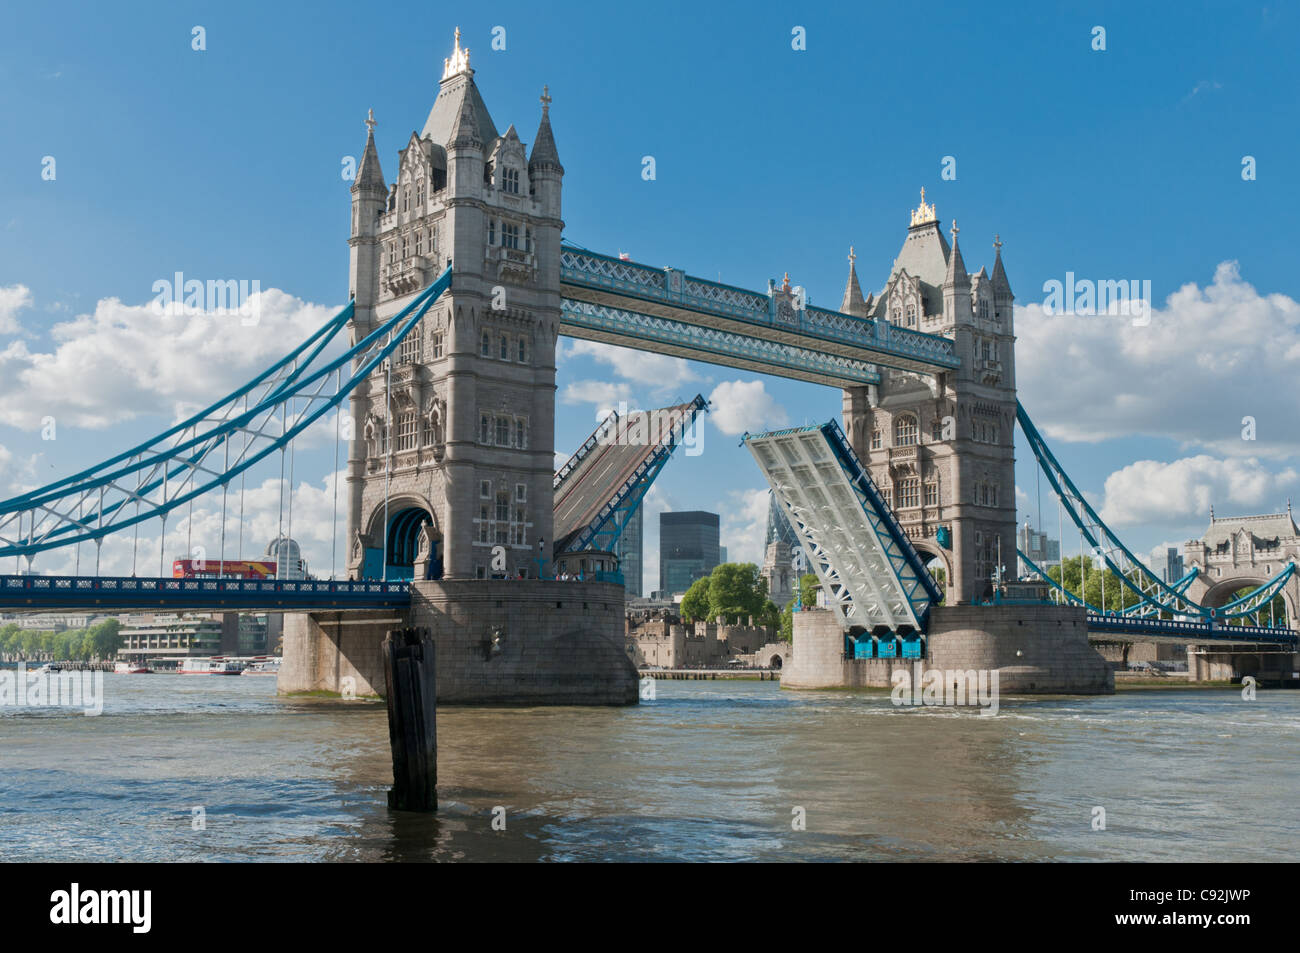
(668, 292)
(922, 590)
(76, 509)
(1192, 630)
(702, 343)
(872, 575)
(44, 593)
(1147, 585)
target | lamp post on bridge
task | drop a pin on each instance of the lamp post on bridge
(541, 557)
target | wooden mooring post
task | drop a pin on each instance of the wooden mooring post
(410, 668)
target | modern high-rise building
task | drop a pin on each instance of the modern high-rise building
(1041, 550)
(629, 553)
(1174, 568)
(722, 555)
(688, 548)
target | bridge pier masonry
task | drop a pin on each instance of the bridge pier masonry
(499, 642)
(1036, 650)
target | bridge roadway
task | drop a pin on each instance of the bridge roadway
(133, 593)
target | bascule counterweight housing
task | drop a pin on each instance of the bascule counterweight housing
(872, 576)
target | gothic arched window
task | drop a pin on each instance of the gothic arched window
(905, 431)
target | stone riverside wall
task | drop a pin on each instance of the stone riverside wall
(527, 642)
(1052, 642)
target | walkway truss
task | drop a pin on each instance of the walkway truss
(873, 578)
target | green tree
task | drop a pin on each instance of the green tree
(734, 591)
(104, 639)
(695, 604)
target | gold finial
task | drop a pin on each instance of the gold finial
(546, 100)
(458, 62)
(852, 257)
(924, 214)
(997, 244)
(370, 123)
(954, 230)
(785, 285)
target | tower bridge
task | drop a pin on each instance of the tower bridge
(460, 285)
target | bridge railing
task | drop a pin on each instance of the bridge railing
(161, 588)
(673, 287)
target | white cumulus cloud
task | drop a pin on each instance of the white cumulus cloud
(1150, 492)
(1210, 358)
(12, 300)
(125, 361)
(739, 406)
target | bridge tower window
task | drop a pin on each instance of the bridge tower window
(875, 439)
(905, 431)
(510, 235)
(485, 345)
(510, 180)
(909, 494)
(407, 430)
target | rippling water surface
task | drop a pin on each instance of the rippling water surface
(706, 771)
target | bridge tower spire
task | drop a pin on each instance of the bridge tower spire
(940, 448)
(453, 455)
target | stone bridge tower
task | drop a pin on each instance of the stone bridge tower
(1244, 552)
(452, 450)
(941, 447)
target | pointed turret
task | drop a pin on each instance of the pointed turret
(369, 174)
(544, 154)
(1000, 284)
(956, 275)
(853, 302)
(464, 127)
(544, 169)
(956, 287)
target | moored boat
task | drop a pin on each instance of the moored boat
(263, 667)
(210, 666)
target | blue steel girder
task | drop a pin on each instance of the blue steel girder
(32, 593)
(1199, 631)
(669, 293)
(697, 342)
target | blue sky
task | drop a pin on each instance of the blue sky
(1122, 163)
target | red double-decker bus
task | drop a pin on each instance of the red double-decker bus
(229, 569)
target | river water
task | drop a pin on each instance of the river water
(705, 771)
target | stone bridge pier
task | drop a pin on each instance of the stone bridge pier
(499, 642)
